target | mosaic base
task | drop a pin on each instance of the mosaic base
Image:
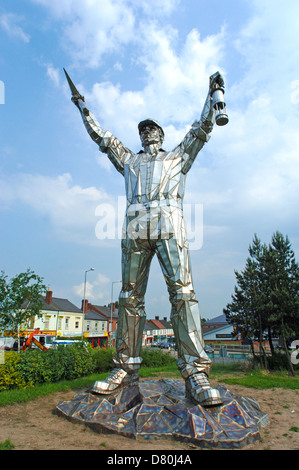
(158, 409)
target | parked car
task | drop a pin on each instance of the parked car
(154, 344)
(164, 345)
(65, 342)
(7, 343)
(208, 349)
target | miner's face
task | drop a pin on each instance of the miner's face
(151, 134)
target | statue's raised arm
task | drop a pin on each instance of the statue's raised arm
(213, 110)
(107, 143)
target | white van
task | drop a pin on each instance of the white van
(65, 342)
(45, 339)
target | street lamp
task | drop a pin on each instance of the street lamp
(111, 339)
(83, 306)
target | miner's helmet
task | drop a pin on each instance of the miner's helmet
(149, 122)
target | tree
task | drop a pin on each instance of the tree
(283, 282)
(246, 312)
(266, 301)
(20, 300)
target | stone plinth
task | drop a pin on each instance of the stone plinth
(158, 409)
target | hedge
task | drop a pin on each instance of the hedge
(156, 358)
(33, 366)
(10, 376)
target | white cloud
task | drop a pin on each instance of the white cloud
(255, 151)
(91, 28)
(171, 93)
(249, 172)
(294, 98)
(249, 150)
(9, 22)
(53, 74)
(156, 8)
(97, 290)
(175, 81)
(69, 207)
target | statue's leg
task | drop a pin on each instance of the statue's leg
(193, 363)
(185, 316)
(136, 259)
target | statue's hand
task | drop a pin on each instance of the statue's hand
(216, 79)
(76, 98)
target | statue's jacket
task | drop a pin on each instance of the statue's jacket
(155, 183)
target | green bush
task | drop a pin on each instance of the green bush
(6, 445)
(279, 361)
(156, 358)
(80, 362)
(33, 366)
(103, 359)
(10, 376)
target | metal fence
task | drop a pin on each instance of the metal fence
(230, 353)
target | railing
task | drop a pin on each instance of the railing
(232, 348)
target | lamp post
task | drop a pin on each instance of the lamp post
(84, 295)
(110, 333)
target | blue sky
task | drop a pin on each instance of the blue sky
(132, 60)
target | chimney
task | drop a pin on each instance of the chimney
(84, 308)
(165, 318)
(49, 297)
(113, 307)
(157, 317)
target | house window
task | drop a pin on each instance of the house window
(47, 322)
(103, 326)
(88, 326)
(67, 323)
(96, 326)
(76, 324)
(59, 324)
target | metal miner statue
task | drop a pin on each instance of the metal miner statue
(155, 184)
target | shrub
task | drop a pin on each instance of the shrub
(156, 358)
(6, 445)
(151, 358)
(279, 361)
(33, 366)
(103, 359)
(10, 376)
(79, 362)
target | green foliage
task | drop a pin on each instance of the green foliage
(20, 299)
(23, 396)
(279, 361)
(10, 376)
(265, 304)
(156, 358)
(225, 373)
(103, 359)
(6, 445)
(33, 366)
(260, 380)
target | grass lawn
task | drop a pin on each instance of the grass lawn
(262, 380)
(228, 374)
